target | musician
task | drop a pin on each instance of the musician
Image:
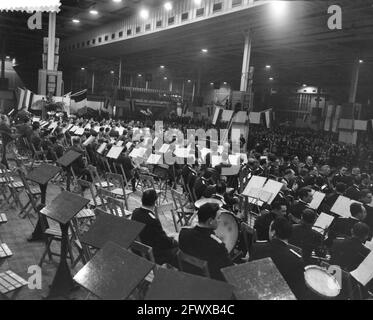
(201, 241)
(304, 237)
(295, 164)
(153, 235)
(221, 194)
(350, 253)
(300, 181)
(25, 129)
(128, 168)
(340, 189)
(366, 197)
(296, 210)
(262, 223)
(309, 163)
(288, 262)
(35, 137)
(341, 177)
(341, 227)
(6, 136)
(353, 192)
(58, 146)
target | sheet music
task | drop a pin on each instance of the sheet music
(120, 130)
(342, 206)
(274, 188)
(234, 159)
(88, 141)
(164, 148)
(128, 145)
(155, 140)
(322, 222)
(114, 152)
(138, 152)
(318, 197)
(88, 126)
(215, 160)
(369, 245)
(230, 171)
(254, 182)
(220, 149)
(364, 272)
(52, 125)
(101, 148)
(79, 131)
(74, 128)
(35, 119)
(119, 143)
(97, 129)
(154, 159)
(244, 157)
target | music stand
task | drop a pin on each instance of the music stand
(258, 280)
(114, 152)
(62, 209)
(66, 161)
(175, 285)
(108, 227)
(42, 175)
(113, 273)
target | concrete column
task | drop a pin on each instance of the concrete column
(120, 73)
(51, 40)
(246, 62)
(93, 82)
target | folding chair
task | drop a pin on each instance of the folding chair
(184, 214)
(98, 182)
(147, 181)
(117, 207)
(15, 187)
(199, 266)
(33, 193)
(118, 187)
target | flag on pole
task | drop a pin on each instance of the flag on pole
(78, 101)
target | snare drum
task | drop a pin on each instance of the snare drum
(228, 229)
(199, 203)
(321, 282)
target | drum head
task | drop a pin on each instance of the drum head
(227, 230)
(199, 203)
(321, 282)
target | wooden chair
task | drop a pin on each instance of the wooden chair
(147, 181)
(184, 214)
(118, 187)
(118, 208)
(15, 187)
(98, 182)
(33, 193)
(200, 265)
(142, 250)
(84, 185)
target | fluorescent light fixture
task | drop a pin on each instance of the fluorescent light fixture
(139, 75)
(93, 12)
(189, 80)
(144, 14)
(168, 6)
(7, 57)
(162, 67)
(304, 85)
(197, 2)
(112, 71)
(224, 82)
(361, 61)
(82, 68)
(117, 1)
(270, 79)
(165, 78)
(211, 83)
(268, 66)
(204, 50)
(76, 21)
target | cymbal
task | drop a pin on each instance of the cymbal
(203, 201)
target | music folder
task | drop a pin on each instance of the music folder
(101, 148)
(88, 141)
(254, 182)
(318, 197)
(114, 152)
(322, 222)
(364, 272)
(342, 206)
(274, 187)
(154, 159)
(164, 148)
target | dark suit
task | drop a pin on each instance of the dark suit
(353, 192)
(341, 227)
(348, 253)
(203, 244)
(154, 236)
(262, 224)
(288, 264)
(297, 209)
(307, 239)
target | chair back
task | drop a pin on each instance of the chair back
(200, 266)
(117, 207)
(142, 250)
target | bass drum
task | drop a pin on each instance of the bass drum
(321, 282)
(228, 229)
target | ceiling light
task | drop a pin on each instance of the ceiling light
(7, 57)
(361, 61)
(271, 79)
(139, 75)
(112, 72)
(189, 80)
(211, 83)
(224, 82)
(168, 6)
(144, 14)
(165, 78)
(204, 50)
(304, 85)
(117, 1)
(162, 67)
(94, 12)
(82, 68)
(279, 8)
(14, 61)
(268, 66)
(76, 21)
(197, 2)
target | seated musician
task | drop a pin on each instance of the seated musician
(366, 199)
(128, 167)
(304, 237)
(262, 223)
(201, 241)
(340, 189)
(226, 198)
(35, 137)
(288, 262)
(353, 192)
(153, 235)
(296, 210)
(341, 227)
(350, 252)
(78, 165)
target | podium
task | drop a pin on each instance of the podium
(62, 209)
(113, 273)
(42, 175)
(175, 285)
(66, 161)
(111, 228)
(258, 280)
